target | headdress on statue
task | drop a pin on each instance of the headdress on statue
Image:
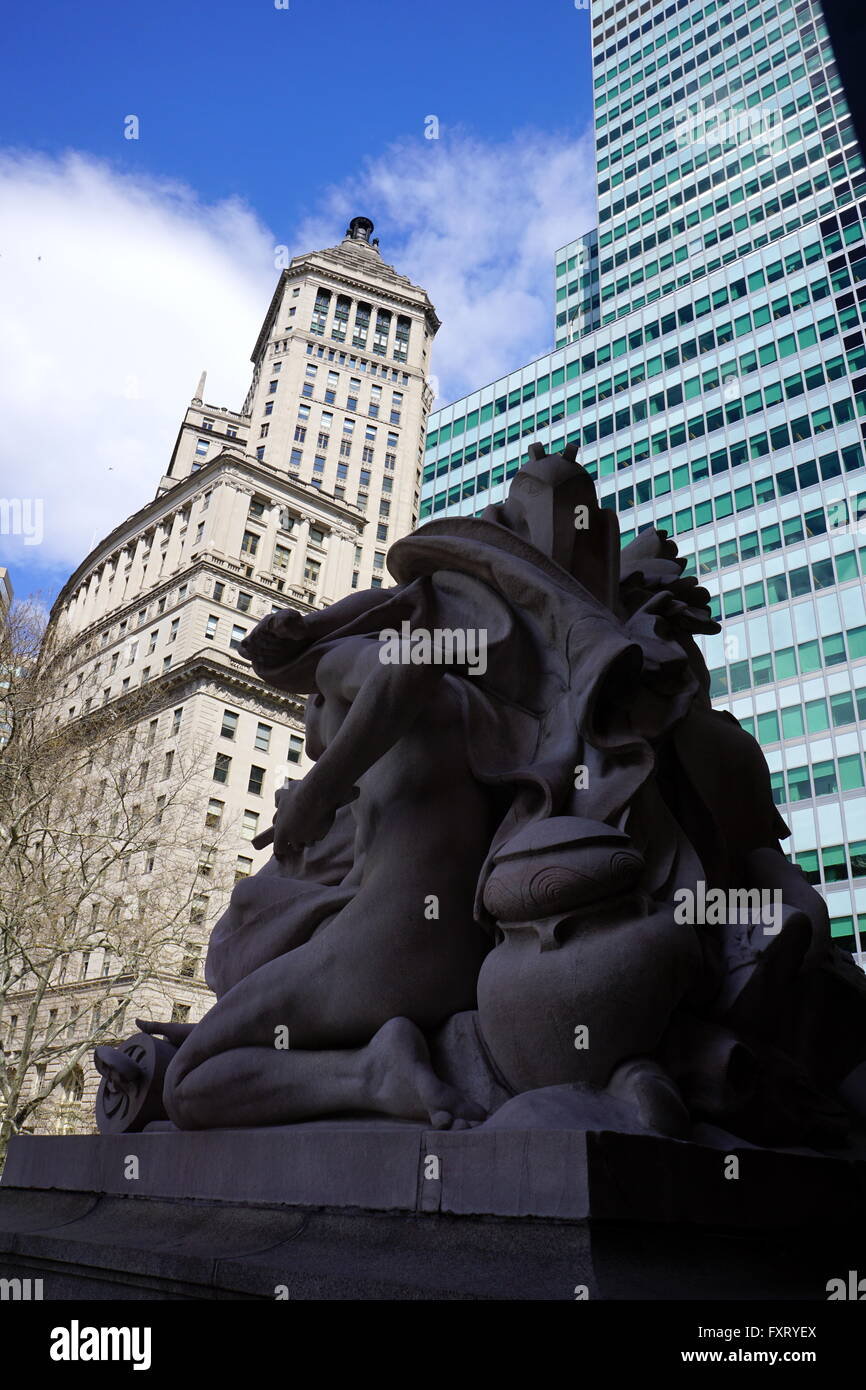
(552, 504)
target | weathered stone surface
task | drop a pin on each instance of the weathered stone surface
(538, 1214)
(560, 1173)
(308, 1165)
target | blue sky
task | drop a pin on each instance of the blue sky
(129, 265)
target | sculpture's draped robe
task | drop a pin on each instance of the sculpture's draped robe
(569, 684)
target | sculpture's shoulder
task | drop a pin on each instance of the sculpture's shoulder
(347, 663)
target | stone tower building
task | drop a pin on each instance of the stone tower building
(291, 501)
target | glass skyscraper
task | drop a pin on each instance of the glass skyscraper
(710, 363)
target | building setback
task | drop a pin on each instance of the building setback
(722, 396)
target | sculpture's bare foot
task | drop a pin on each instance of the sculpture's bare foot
(175, 1033)
(404, 1083)
(648, 1087)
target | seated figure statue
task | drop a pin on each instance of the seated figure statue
(481, 875)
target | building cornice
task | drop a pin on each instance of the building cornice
(207, 563)
(403, 292)
(307, 265)
(233, 467)
(264, 331)
(197, 669)
(205, 666)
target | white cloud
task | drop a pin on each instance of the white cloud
(477, 225)
(118, 290)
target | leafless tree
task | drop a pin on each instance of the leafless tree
(105, 866)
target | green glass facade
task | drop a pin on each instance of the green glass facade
(717, 388)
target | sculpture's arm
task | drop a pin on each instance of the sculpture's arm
(383, 701)
(275, 643)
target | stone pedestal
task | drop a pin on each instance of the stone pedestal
(385, 1211)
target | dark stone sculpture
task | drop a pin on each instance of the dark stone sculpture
(531, 871)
